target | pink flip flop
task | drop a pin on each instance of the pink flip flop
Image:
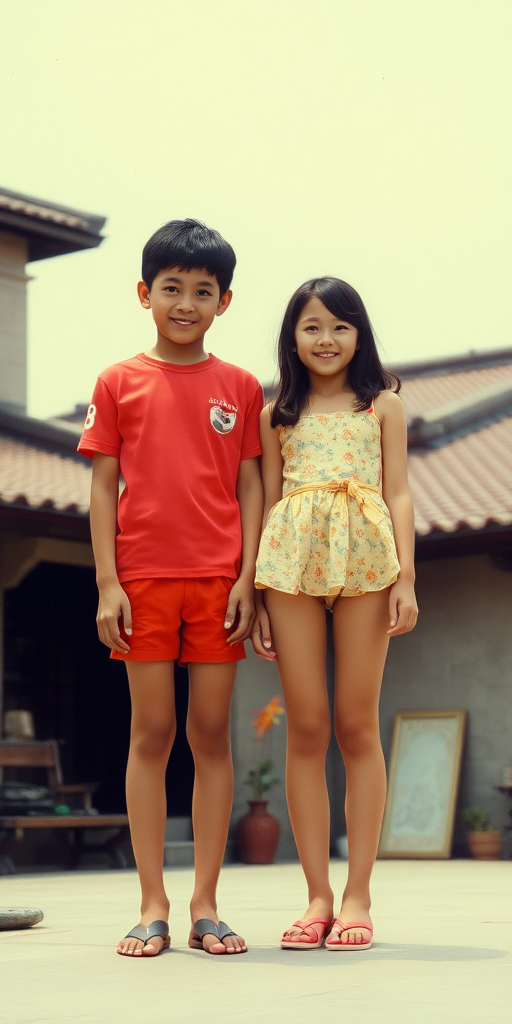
(312, 937)
(338, 944)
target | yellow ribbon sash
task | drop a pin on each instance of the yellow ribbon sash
(349, 488)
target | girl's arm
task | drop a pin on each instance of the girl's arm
(272, 473)
(113, 601)
(403, 608)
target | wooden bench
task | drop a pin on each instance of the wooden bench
(39, 754)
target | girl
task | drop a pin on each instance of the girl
(335, 434)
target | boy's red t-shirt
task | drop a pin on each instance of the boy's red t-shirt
(180, 433)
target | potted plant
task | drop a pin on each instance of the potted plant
(258, 831)
(485, 842)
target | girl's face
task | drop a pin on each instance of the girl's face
(324, 343)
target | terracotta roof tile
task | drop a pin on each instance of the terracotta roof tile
(466, 483)
(36, 477)
(426, 393)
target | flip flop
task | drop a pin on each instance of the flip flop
(207, 927)
(160, 928)
(338, 944)
(305, 940)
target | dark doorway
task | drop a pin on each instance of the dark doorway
(56, 667)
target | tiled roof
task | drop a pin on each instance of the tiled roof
(49, 229)
(422, 394)
(42, 212)
(465, 483)
(460, 479)
(35, 477)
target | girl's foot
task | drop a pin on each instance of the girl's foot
(135, 947)
(200, 909)
(352, 909)
(318, 908)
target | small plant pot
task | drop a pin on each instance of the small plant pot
(485, 845)
(258, 834)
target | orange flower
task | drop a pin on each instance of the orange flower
(361, 561)
(347, 435)
(268, 716)
(371, 576)
(274, 543)
(348, 457)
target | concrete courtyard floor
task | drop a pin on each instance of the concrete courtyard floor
(442, 953)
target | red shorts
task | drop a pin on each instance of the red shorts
(179, 619)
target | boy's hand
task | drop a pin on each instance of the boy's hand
(113, 604)
(241, 601)
(403, 609)
(261, 638)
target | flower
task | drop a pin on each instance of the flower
(268, 716)
(261, 779)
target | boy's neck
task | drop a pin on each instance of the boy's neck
(169, 352)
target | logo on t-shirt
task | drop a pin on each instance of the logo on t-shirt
(222, 415)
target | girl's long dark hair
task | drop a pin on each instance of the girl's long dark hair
(366, 374)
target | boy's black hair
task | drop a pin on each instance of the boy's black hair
(190, 245)
(366, 374)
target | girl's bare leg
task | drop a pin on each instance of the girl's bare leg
(152, 734)
(208, 731)
(298, 633)
(360, 644)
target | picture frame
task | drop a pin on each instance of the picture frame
(424, 772)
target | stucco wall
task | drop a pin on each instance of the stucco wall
(460, 655)
(13, 322)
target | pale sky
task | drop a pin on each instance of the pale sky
(368, 139)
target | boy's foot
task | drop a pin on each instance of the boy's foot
(352, 909)
(319, 909)
(131, 946)
(209, 941)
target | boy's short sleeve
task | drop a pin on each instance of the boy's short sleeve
(100, 433)
(251, 444)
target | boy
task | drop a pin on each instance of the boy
(182, 428)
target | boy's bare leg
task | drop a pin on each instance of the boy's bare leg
(153, 730)
(361, 645)
(299, 639)
(208, 731)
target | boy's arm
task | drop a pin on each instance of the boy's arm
(113, 601)
(249, 491)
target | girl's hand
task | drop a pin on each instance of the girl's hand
(261, 638)
(403, 609)
(113, 604)
(241, 602)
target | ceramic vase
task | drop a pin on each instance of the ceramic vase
(258, 834)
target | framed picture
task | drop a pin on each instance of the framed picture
(424, 774)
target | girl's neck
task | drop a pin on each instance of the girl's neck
(330, 395)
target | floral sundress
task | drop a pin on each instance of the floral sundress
(331, 533)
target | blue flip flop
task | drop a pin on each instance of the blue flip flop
(205, 926)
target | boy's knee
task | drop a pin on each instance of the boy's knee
(153, 739)
(210, 740)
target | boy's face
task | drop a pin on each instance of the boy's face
(183, 303)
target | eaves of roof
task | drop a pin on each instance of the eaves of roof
(50, 230)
